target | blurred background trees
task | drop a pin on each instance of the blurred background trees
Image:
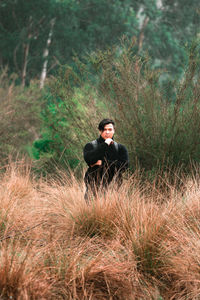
(80, 26)
(160, 27)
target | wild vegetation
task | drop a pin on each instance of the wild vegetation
(138, 63)
(138, 243)
(159, 127)
(61, 75)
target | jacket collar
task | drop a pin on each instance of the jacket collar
(101, 140)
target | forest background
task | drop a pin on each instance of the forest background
(65, 64)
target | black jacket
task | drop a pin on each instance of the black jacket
(114, 161)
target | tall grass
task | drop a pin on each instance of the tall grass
(132, 243)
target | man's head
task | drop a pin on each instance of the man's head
(106, 128)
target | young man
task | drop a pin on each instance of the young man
(106, 159)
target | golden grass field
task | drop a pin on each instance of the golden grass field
(135, 243)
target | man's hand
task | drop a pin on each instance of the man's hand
(109, 141)
(98, 163)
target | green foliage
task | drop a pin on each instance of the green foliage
(157, 131)
(70, 117)
(160, 27)
(159, 123)
(165, 27)
(80, 26)
(160, 127)
(24, 27)
(19, 116)
(3, 223)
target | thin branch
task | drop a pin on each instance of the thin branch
(17, 234)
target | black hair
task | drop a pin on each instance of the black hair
(105, 122)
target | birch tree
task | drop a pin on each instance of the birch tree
(46, 53)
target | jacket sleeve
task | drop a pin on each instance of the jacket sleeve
(122, 163)
(93, 154)
(123, 160)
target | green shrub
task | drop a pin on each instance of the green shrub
(159, 123)
(19, 117)
(159, 132)
(70, 115)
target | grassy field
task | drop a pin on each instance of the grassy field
(136, 243)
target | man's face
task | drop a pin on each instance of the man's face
(108, 131)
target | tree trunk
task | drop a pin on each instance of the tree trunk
(26, 52)
(26, 47)
(141, 36)
(45, 54)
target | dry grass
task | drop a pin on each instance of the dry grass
(126, 244)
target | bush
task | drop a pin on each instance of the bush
(160, 132)
(19, 117)
(158, 122)
(70, 115)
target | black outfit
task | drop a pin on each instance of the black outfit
(114, 162)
